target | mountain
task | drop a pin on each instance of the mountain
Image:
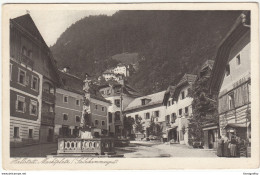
(170, 44)
(127, 58)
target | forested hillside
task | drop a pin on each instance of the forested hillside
(171, 43)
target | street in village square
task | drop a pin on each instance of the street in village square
(110, 85)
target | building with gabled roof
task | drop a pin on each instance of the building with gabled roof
(33, 81)
(231, 80)
(120, 95)
(149, 108)
(69, 105)
(178, 109)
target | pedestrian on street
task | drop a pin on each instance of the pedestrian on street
(233, 147)
(220, 147)
(226, 151)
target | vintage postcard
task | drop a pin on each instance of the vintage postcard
(130, 86)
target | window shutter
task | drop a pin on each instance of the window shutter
(30, 107)
(27, 80)
(16, 105)
(24, 107)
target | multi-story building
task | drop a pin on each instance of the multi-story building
(120, 95)
(33, 78)
(117, 73)
(231, 80)
(148, 108)
(122, 69)
(69, 105)
(179, 109)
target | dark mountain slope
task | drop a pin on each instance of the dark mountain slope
(172, 43)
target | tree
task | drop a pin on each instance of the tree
(204, 108)
(139, 128)
(128, 125)
(155, 129)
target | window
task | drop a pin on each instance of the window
(117, 116)
(30, 133)
(173, 118)
(110, 117)
(34, 84)
(11, 70)
(77, 118)
(16, 132)
(24, 51)
(29, 53)
(169, 103)
(77, 102)
(136, 117)
(143, 101)
(117, 102)
(227, 70)
(156, 113)
(231, 102)
(108, 92)
(238, 59)
(33, 107)
(96, 122)
(186, 109)
(147, 115)
(172, 101)
(96, 107)
(22, 77)
(103, 123)
(168, 119)
(180, 111)
(102, 92)
(20, 104)
(103, 108)
(65, 117)
(65, 98)
(182, 95)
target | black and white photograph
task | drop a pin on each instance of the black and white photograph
(130, 83)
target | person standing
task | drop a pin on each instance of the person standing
(220, 147)
(233, 147)
(226, 152)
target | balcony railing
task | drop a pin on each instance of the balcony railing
(48, 118)
(117, 122)
(94, 146)
(26, 60)
(48, 97)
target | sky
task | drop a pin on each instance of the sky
(52, 24)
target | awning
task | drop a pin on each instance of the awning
(237, 125)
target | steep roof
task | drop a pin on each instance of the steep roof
(26, 24)
(237, 31)
(187, 78)
(71, 82)
(169, 92)
(156, 98)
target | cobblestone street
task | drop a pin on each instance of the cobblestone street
(142, 149)
(136, 149)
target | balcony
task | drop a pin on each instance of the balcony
(48, 118)
(26, 60)
(48, 97)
